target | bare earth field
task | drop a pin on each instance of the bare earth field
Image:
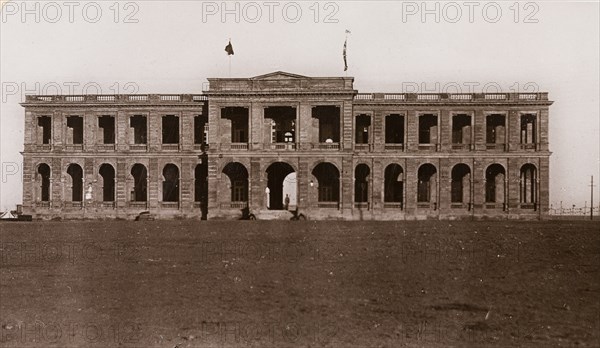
(300, 284)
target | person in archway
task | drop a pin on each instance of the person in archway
(286, 201)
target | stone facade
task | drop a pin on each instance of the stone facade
(246, 142)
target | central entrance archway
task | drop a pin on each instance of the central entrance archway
(281, 183)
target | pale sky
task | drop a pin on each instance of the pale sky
(174, 46)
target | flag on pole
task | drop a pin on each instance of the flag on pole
(229, 49)
(344, 54)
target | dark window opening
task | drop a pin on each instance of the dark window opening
(460, 185)
(76, 174)
(361, 183)
(363, 123)
(461, 129)
(140, 129)
(394, 129)
(171, 183)
(428, 129)
(282, 120)
(394, 184)
(494, 184)
(238, 117)
(44, 176)
(427, 183)
(495, 129)
(201, 129)
(328, 178)
(45, 124)
(107, 124)
(107, 172)
(328, 119)
(528, 184)
(238, 177)
(140, 183)
(75, 130)
(170, 129)
(528, 129)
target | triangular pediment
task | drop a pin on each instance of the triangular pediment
(279, 75)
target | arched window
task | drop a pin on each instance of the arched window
(328, 178)
(238, 175)
(426, 189)
(107, 172)
(494, 183)
(43, 180)
(140, 183)
(393, 184)
(361, 183)
(528, 184)
(76, 173)
(460, 189)
(171, 183)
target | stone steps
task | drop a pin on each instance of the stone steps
(273, 215)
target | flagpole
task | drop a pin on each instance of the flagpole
(229, 56)
(346, 41)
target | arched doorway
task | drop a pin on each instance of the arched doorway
(277, 173)
(76, 173)
(426, 190)
(460, 190)
(494, 183)
(361, 183)
(43, 179)
(201, 187)
(140, 183)
(107, 172)
(528, 184)
(170, 183)
(393, 190)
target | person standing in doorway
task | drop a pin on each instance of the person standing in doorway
(286, 201)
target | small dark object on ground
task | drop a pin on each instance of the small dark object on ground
(246, 215)
(24, 217)
(144, 216)
(297, 216)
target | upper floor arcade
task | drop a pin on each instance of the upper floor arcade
(288, 112)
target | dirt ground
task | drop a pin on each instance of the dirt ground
(300, 284)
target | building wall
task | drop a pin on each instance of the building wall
(303, 155)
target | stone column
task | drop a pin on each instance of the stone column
(154, 131)
(256, 199)
(544, 185)
(377, 179)
(304, 126)
(412, 131)
(186, 124)
(377, 138)
(514, 130)
(122, 131)
(543, 116)
(445, 130)
(445, 184)
(303, 182)
(346, 119)
(256, 119)
(513, 175)
(122, 196)
(480, 131)
(58, 125)
(154, 180)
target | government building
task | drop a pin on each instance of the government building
(281, 142)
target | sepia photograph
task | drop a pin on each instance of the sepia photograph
(346, 174)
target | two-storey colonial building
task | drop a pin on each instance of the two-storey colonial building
(283, 141)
